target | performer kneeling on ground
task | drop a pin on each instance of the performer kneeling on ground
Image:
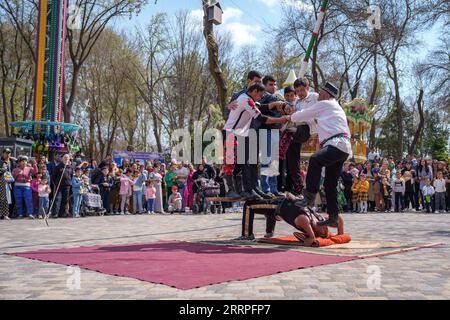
(289, 210)
(334, 135)
(306, 221)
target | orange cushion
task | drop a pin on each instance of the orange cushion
(323, 242)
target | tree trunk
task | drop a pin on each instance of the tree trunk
(73, 93)
(399, 109)
(5, 111)
(418, 132)
(213, 58)
(91, 135)
(373, 95)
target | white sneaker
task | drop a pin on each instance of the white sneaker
(149, 212)
(436, 211)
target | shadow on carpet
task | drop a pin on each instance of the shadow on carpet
(359, 248)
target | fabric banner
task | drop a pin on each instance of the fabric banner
(118, 156)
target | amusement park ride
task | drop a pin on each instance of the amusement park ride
(46, 131)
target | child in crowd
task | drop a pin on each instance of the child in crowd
(35, 192)
(363, 193)
(409, 190)
(439, 195)
(355, 193)
(150, 196)
(43, 193)
(175, 200)
(126, 185)
(77, 191)
(398, 188)
(386, 191)
(288, 130)
(428, 192)
(379, 205)
(138, 182)
(416, 189)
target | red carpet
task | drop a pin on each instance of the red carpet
(184, 265)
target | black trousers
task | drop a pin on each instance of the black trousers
(290, 177)
(249, 171)
(62, 197)
(409, 198)
(387, 203)
(447, 199)
(264, 207)
(416, 199)
(332, 159)
(293, 179)
(398, 196)
(104, 193)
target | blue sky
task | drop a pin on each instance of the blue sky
(241, 15)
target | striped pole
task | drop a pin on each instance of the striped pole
(57, 67)
(61, 76)
(40, 62)
(312, 42)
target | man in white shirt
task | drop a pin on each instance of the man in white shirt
(238, 124)
(304, 130)
(334, 137)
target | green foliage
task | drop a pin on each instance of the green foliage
(439, 148)
(435, 136)
(387, 140)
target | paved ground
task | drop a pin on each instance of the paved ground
(421, 274)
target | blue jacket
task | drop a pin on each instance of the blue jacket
(140, 181)
(76, 184)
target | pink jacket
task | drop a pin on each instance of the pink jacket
(150, 193)
(126, 185)
(35, 185)
(23, 176)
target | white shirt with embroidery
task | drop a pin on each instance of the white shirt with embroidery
(331, 120)
(301, 104)
(240, 118)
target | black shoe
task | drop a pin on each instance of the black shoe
(259, 191)
(333, 222)
(250, 195)
(262, 194)
(268, 235)
(245, 238)
(279, 194)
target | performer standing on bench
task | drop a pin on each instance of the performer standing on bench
(238, 124)
(334, 136)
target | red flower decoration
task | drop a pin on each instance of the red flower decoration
(251, 103)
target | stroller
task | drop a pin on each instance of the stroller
(91, 204)
(206, 188)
